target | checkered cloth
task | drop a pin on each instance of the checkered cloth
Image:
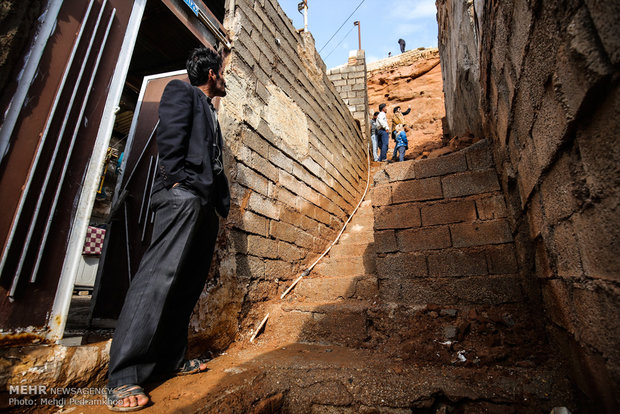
(94, 241)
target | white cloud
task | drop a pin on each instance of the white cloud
(419, 9)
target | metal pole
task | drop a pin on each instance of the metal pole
(305, 16)
(359, 33)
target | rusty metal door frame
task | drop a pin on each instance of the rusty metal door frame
(62, 300)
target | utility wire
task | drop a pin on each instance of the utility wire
(343, 23)
(343, 39)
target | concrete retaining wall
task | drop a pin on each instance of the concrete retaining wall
(297, 166)
(549, 98)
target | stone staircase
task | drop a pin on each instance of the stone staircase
(420, 308)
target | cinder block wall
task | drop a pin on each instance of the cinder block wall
(351, 82)
(548, 96)
(297, 168)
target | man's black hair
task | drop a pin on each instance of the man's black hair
(376, 113)
(396, 108)
(381, 107)
(198, 64)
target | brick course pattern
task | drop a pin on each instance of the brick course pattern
(445, 218)
(295, 157)
(559, 164)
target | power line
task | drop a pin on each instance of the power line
(343, 23)
(343, 39)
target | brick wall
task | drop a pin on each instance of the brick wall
(442, 233)
(352, 84)
(550, 100)
(297, 168)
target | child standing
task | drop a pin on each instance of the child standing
(401, 141)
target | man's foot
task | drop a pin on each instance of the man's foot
(193, 366)
(126, 398)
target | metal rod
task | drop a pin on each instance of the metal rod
(50, 166)
(135, 167)
(65, 167)
(359, 33)
(148, 206)
(127, 243)
(260, 326)
(26, 190)
(148, 175)
(214, 29)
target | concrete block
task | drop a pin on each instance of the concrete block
(262, 247)
(490, 208)
(598, 147)
(385, 241)
(565, 248)
(432, 167)
(597, 230)
(549, 127)
(400, 171)
(251, 179)
(457, 262)
(605, 18)
(479, 156)
(381, 195)
(264, 206)
(557, 191)
(399, 216)
(249, 267)
(417, 190)
(450, 212)
(470, 183)
(254, 141)
(425, 238)
(287, 251)
(401, 265)
(502, 260)
(480, 233)
(283, 231)
(253, 223)
(279, 269)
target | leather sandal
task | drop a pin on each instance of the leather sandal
(191, 366)
(118, 394)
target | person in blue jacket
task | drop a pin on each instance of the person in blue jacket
(401, 141)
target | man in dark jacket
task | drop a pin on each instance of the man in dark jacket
(190, 192)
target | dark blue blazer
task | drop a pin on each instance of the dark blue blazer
(190, 145)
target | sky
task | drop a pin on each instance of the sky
(383, 22)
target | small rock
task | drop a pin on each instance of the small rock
(507, 318)
(433, 315)
(450, 332)
(448, 312)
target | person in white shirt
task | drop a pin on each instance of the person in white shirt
(383, 131)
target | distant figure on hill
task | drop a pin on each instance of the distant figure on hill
(389, 54)
(382, 131)
(401, 42)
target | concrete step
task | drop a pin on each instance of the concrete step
(303, 378)
(338, 323)
(352, 250)
(324, 288)
(449, 291)
(428, 334)
(347, 266)
(358, 236)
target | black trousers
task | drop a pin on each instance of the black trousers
(151, 332)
